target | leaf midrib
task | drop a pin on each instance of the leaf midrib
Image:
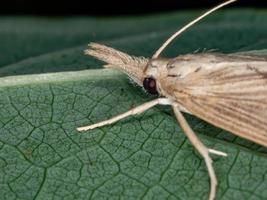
(92, 74)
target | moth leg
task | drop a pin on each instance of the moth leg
(134, 111)
(216, 152)
(201, 148)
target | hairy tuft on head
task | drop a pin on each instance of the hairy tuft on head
(131, 65)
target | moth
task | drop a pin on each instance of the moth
(226, 90)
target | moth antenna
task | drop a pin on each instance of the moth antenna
(165, 44)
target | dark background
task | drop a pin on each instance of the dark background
(110, 7)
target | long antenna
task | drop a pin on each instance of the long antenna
(158, 52)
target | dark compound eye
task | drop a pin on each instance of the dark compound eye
(149, 84)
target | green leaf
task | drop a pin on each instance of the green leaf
(42, 156)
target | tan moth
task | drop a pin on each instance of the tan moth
(226, 90)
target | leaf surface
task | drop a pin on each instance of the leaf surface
(42, 156)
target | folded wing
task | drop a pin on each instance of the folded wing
(231, 95)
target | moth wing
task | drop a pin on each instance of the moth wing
(230, 96)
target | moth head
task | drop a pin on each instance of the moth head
(152, 72)
(141, 70)
(130, 65)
